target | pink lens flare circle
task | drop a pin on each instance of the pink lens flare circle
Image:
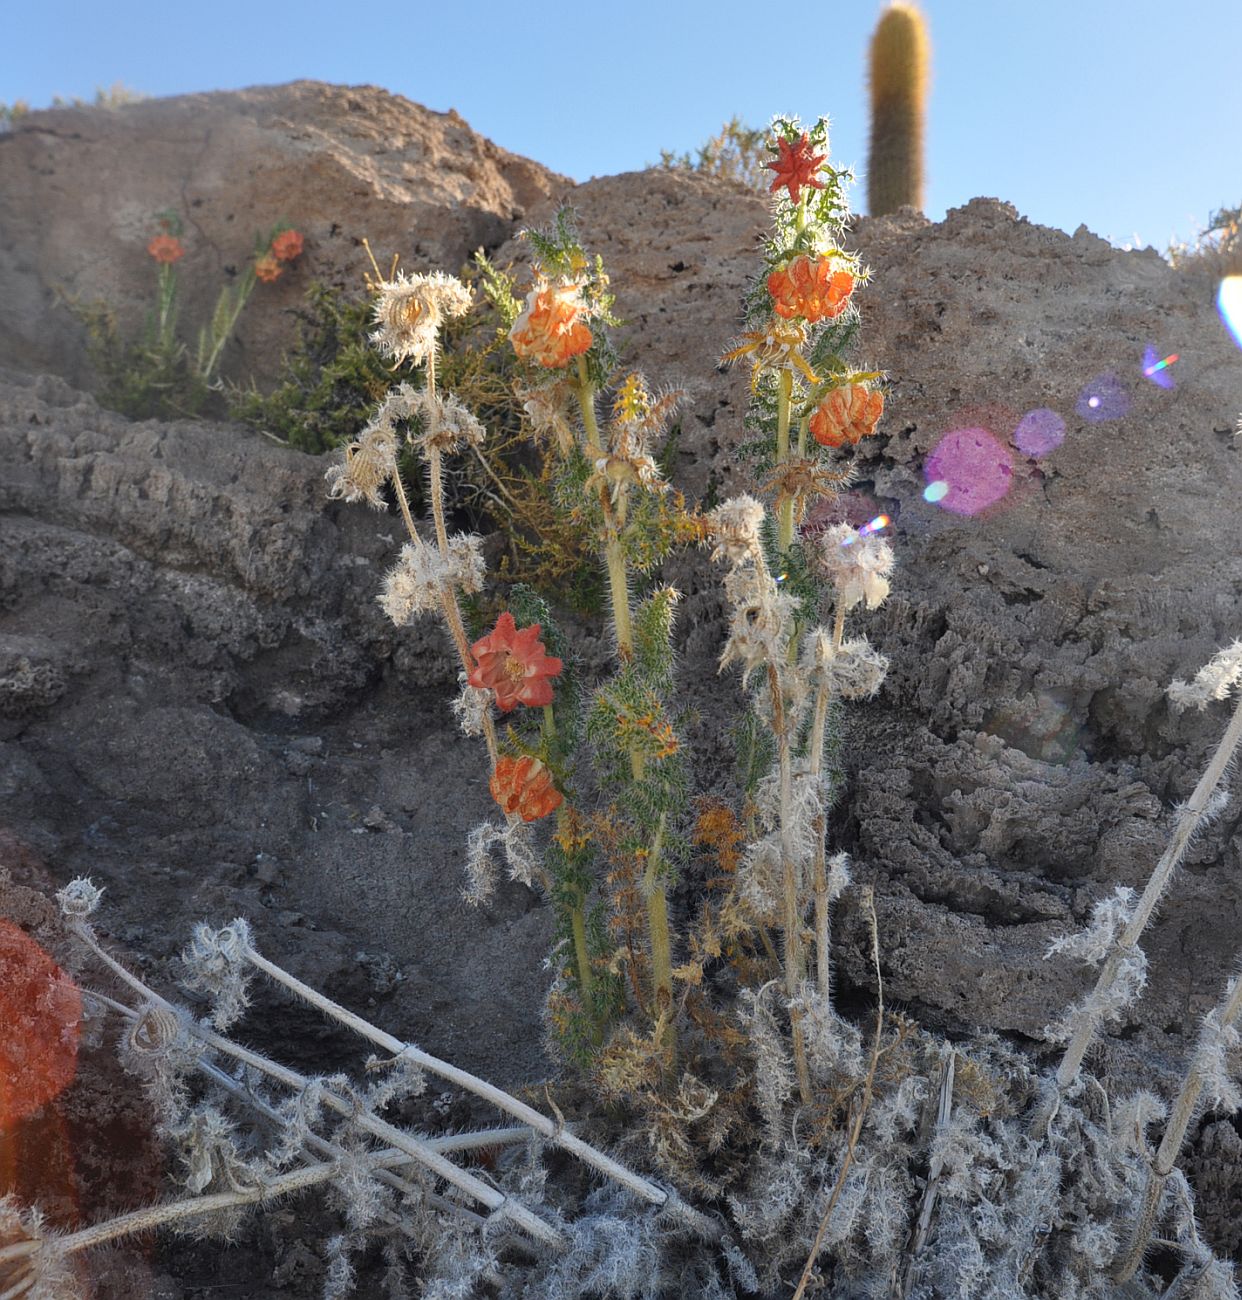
(975, 466)
(1039, 432)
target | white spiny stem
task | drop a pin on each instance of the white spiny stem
(192, 1207)
(1174, 1135)
(1188, 822)
(418, 1148)
(554, 1132)
(823, 973)
(463, 1141)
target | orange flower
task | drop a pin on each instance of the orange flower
(40, 1008)
(166, 249)
(846, 415)
(550, 331)
(287, 245)
(514, 664)
(267, 268)
(796, 166)
(524, 786)
(809, 288)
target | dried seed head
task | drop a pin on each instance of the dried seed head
(423, 574)
(482, 873)
(735, 525)
(472, 707)
(369, 463)
(442, 423)
(215, 965)
(79, 899)
(410, 310)
(1212, 682)
(854, 670)
(857, 565)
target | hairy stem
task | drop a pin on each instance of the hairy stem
(657, 927)
(193, 1207)
(502, 1100)
(863, 1107)
(1184, 1109)
(791, 886)
(418, 1148)
(822, 935)
(1189, 820)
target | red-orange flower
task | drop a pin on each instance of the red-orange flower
(809, 288)
(166, 248)
(797, 166)
(524, 786)
(267, 268)
(514, 664)
(846, 415)
(550, 331)
(287, 245)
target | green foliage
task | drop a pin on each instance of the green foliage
(333, 378)
(653, 637)
(900, 51)
(152, 378)
(736, 153)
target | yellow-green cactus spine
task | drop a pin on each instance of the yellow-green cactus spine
(900, 59)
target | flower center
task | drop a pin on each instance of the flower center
(514, 669)
(410, 311)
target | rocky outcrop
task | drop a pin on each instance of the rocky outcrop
(80, 190)
(201, 705)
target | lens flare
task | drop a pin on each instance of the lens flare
(1103, 398)
(1043, 726)
(1039, 432)
(1156, 368)
(873, 526)
(1229, 303)
(936, 491)
(976, 466)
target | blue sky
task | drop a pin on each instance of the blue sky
(1124, 116)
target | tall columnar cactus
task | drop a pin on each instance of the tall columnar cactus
(900, 59)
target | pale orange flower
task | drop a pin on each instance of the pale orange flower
(810, 289)
(514, 664)
(524, 786)
(287, 245)
(166, 249)
(846, 415)
(267, 268)
(550, 331)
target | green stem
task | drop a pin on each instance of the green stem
(586, 399)
(784, 394)
(234, 300)
(657, 925)
(586, 979)
(614, 554)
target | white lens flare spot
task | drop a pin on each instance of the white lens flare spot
(1229, 303)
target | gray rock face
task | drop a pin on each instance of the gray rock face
(227, 714)
(201, 705)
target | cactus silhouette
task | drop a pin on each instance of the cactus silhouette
(900, 57)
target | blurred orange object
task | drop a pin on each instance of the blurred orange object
(40, 1010)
